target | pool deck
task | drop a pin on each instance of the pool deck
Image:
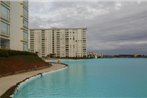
(9, 81)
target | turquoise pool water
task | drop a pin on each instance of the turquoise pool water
(91, 78)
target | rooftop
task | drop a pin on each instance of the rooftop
(57, 28)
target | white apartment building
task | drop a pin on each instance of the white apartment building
(14, 25)
(60, 42)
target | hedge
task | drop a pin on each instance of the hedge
(7, 53)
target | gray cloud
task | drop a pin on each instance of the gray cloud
(111, 25)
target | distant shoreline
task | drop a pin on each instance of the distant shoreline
(94, 57)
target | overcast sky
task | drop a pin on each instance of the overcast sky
(113, 27)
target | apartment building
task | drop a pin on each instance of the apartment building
(59, 42)
(14, 25)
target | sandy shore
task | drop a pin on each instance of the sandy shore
(9, 81)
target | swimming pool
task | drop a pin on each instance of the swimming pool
(91, 78)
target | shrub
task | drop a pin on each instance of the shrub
(7, 53)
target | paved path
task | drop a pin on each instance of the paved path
(9, 81)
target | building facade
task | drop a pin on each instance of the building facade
(14, 25)
(60, 42)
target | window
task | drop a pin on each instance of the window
(5, 13)
(4, 28)
(25, 13)
(7, 2)
(4, 43)
(25, 36)
(25, 23)
(25, 46)
(25, 3)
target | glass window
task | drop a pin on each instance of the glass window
(7, 2)
(4, 28)
(25, 46)
(25, 3)
(25, 13)
(5, 13)
(4, 43)
(25, 23)
(25, 36)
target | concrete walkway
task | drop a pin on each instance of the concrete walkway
(9, 81)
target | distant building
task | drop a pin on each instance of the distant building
(14, 25)
(59, 42)
(91, 54)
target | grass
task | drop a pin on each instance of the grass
(14, 62)
(18, 63)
